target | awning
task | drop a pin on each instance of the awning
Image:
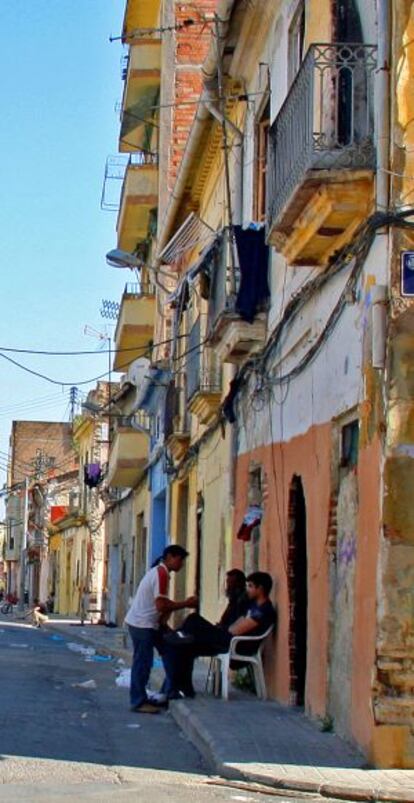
(192, 232)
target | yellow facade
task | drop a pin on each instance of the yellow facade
(69, 559)
(77, 541)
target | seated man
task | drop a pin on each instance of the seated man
(40, 613)
(199, 637)
(238, 601)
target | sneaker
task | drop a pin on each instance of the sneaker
(156, 697)
(176, 694)
(145, 708)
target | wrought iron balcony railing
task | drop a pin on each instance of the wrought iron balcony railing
(139, 289)
(326, 121)
(176, 421)
(225, 281)
(203, 371)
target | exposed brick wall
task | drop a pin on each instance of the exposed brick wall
(34, 441)
(192, 44)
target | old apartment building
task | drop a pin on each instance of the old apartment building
(40, 451)
(266, 346)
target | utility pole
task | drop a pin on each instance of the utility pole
(73, 401)
(23, 550)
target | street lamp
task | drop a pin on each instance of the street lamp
(123, 259)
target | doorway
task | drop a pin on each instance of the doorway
(298, 592)
(159, 537)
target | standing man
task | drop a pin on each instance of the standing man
(151, 606)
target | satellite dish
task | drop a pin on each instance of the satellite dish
(123, 259)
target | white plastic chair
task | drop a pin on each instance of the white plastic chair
(221, 665)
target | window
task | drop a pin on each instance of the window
(350, 445)
(262, 140)
(10, 539)
(296, 43)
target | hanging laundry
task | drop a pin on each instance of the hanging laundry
(92, 475)
(251, 520)
(253, 256)
(228, 403)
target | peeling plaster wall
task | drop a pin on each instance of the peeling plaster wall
(308, 457)
(393, 702)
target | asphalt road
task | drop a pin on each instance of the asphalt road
(61, 742)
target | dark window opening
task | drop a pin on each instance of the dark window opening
(350, 445)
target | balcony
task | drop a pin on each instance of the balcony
(138, 15)
(233, 337)
(322, 154)
(176, 422)
(141, 96)
(128, 456)
(134, 332)
(138, 197)
(203, 378)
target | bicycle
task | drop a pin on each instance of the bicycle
(8, 605)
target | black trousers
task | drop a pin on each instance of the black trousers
(209, 639)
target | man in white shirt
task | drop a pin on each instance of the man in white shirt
(149, 607)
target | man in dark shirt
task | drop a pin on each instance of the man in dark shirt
(199, 637)
(238, 601)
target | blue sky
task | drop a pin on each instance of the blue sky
(60, 81)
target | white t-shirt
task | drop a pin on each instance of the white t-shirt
(143, 611)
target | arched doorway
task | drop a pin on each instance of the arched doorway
(298, 592)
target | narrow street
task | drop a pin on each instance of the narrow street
(65, 742)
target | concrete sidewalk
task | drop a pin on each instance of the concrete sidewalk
(263, 742)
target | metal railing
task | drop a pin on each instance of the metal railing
(326, 121)
(124, 64)
(143, 158)
(223, 291)
(116, 168)
(176, 420)
(139, 289)
(140, 418)
(203, 369)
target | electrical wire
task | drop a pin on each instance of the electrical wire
(106, 352)
(241, 96)
(146, 352)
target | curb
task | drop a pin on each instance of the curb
(202, 739)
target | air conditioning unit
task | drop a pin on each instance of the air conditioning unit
(137, 372)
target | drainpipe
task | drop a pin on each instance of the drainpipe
(382, 103)
(379, 325)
